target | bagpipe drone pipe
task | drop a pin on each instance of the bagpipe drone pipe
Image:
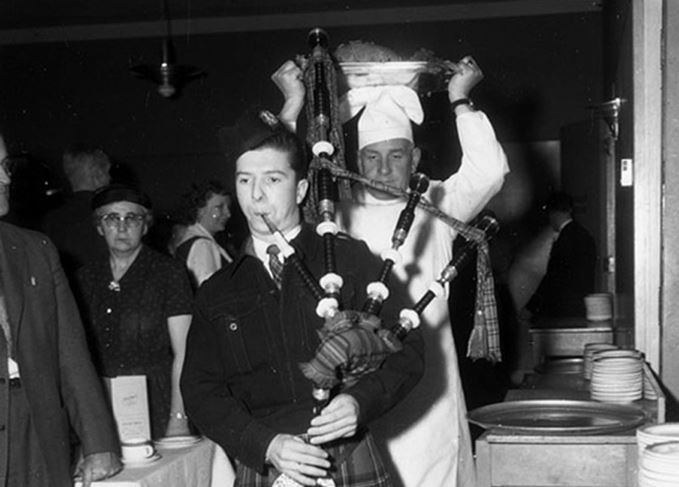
(353, 342)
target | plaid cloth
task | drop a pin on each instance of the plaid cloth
(484, 341)
(358, 464)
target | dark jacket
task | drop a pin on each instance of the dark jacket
(72, 230)
(57, 374)
(570, 274)
(241, 382)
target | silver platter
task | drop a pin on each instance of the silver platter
(424, 77)
(361, 74)
(558, 417)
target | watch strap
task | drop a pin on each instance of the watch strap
(462, 101)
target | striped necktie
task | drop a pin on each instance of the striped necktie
(275, 264)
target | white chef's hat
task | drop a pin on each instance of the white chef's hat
(387, 114)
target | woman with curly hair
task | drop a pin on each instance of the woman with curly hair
(206, 212)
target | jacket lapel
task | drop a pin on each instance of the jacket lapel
(13, 265)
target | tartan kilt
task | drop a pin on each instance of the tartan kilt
(361, 467)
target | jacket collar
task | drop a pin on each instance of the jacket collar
(13, 267)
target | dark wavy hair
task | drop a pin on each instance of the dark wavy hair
(197, 197)
(289, 143)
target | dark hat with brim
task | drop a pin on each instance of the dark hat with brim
(250, 131)
(115, 193)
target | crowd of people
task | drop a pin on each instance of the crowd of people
(220, 332)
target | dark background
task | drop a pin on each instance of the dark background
(541, 73)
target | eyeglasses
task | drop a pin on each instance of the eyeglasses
(8, 165)
(114, 220)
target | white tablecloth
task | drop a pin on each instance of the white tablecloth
(223, 474)
(200, 465)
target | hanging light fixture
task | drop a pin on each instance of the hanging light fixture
(169, 76)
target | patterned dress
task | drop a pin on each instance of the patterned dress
(127, 323)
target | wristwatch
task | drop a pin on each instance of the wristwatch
(462, 101)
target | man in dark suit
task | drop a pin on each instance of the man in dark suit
(570, 269)
(47, 380)
(70, 225)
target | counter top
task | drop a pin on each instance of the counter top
(506, 458)
(573, 386)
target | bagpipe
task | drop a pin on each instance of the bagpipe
(353, 342)
(356, 342)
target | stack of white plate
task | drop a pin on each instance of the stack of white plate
(617, 376)
(599, 306)
(588, 355)
(649, 391)
(659, 466)
(656, 433)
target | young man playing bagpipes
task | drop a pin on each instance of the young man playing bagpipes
(254, 323)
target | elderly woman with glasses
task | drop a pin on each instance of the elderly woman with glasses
(136, 304)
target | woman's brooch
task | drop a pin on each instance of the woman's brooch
(114, 286)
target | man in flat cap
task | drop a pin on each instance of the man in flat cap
(47, 380)
(426, 434)
(254, 322)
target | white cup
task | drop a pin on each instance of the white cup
(599, 307)
(137, 449)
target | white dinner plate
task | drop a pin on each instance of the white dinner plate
(670, 431)
(171, 442)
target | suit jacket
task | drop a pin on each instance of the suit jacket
(56, 371)
(570, 274)
(71, 229)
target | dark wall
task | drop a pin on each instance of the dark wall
(618, 82)
(541, 73)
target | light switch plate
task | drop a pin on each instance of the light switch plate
(626, 172)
